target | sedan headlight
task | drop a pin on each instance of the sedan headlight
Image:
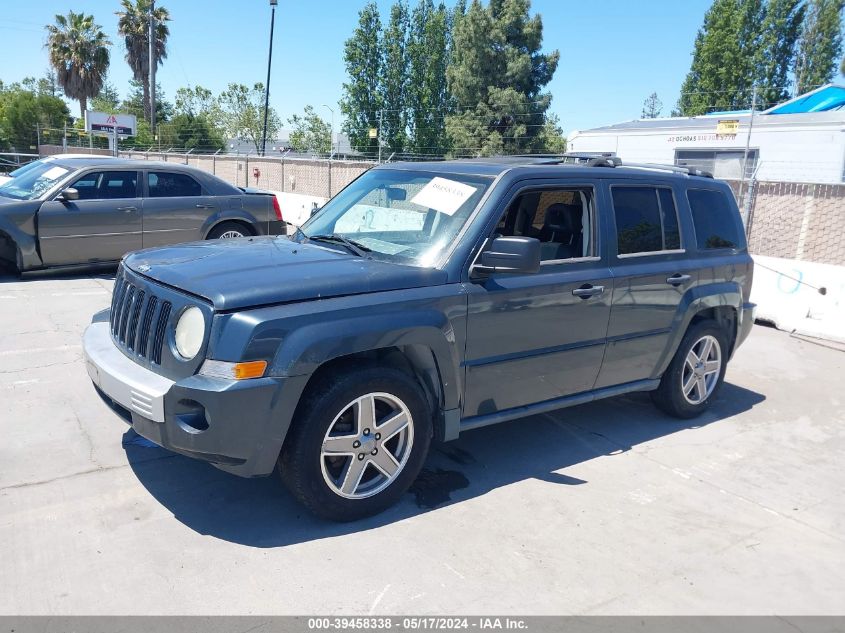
(190, 331)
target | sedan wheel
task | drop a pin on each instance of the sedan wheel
(230, 235)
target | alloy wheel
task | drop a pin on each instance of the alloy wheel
(367, 445)
(701, 370)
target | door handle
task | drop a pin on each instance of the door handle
(678, 279)
(202, 206)
(127, 209)
(587, 291)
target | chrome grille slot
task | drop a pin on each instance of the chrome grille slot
(133, 320)
(144, 333)
(124, 314)
(161, 327)
(119, 293)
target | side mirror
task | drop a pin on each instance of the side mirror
(515, 255)
(68, 194)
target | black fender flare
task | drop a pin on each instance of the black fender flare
(694, 301)
(309, 347)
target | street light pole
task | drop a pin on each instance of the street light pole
(273, 4)
(152, 78)
(331, 138)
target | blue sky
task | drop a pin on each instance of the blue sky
(613, 52)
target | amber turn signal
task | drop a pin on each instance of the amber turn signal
(251, 369)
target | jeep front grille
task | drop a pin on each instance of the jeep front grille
(139, 320)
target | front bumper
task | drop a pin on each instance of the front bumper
(237, 425)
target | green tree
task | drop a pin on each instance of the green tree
(820, 44)
(23, 112)
(242, 114)
(361, 101)
(427, 90)
(779, 32)
(652, 106)
(78, 51)
(195, 101)
(310, 133)
(497, 75)
(134, 103)
(108, 100)
(724, 58)
(133, 24)
(190, 131)
(551, 139)
(394, 79)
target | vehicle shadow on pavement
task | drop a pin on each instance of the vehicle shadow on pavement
(260, 512)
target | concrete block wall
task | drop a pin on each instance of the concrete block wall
(311, 177)
(802, 221)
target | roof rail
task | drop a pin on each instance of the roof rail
(615, 161)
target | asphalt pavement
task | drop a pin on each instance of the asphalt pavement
(606, 508)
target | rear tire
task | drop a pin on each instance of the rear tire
(228, 231)
(359, 440)
(696, 372)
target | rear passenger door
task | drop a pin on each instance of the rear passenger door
(651, 270)
(175, 208)
(538, 337)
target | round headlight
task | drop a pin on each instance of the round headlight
(190, 331)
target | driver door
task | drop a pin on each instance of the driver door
(101, 226)
(538, 337)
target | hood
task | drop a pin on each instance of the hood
(242, 273)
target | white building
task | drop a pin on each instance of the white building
(801, 140)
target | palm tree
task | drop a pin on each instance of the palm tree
(78, 50)
(133, 24)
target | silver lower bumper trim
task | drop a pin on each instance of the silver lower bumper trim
(124, 381)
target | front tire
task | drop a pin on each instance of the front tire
(696, 372)
(359, 440)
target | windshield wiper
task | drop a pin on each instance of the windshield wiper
(352, 246)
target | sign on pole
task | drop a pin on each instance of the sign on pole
(107, 124)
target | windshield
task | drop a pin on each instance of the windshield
(33, 182)
(408, 217)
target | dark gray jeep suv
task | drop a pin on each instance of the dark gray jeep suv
(423, 300)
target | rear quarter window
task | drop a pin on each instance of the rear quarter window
(716, 221)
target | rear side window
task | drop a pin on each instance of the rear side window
(646, 219)
(716, 223)
(164, 184)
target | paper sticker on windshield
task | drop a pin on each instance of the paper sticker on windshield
(54, 173)
(443, 195)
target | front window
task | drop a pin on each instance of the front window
(34, 182)
(402, 216)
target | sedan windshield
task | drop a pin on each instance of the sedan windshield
(397, 215)
(33, 182)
